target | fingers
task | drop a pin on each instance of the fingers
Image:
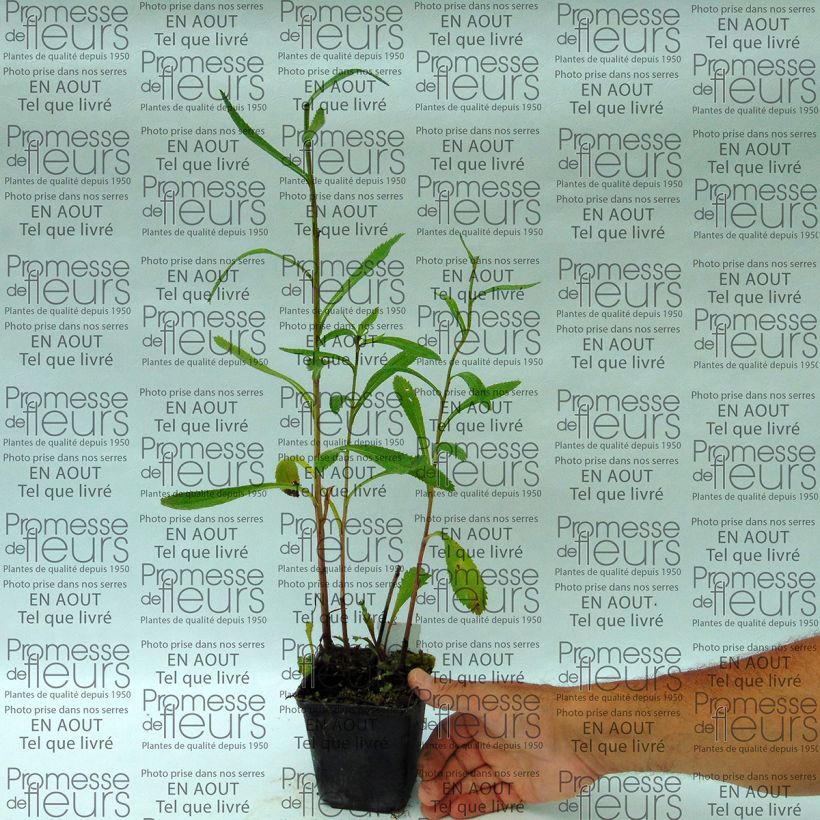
(434, 811)
(456, 781)
(482, 780)
(454, 695)
(450, 734)
(477, 698)
(449, 739)
(464, 760)
(479, 792)
(497, 797)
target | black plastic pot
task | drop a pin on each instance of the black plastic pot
(364, 757)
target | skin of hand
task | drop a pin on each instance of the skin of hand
(498, 748)
(511, 743)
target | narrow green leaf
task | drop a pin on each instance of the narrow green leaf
(198, 499)
(408, 345)
(496, 391)
(374, 258)
(471, 256)
(367, 321)
(309, 632)
(303, 463)
(259, 140)
(477, 387)
(367, 618)
(451, 303)
(374, 477)
(431, 476)
(406, 589)
(392, 462)
(465, 577)
(338, 78)
(336, 401)
(287, 473)
(327, 458)
(364, 638)
(411, 372)
(336, 333)
(317, 122)
(316, 360)
(496, 288)
(409, 401)
(248, 359)
(453, 449)
(486, 398)
(254, 252)
(305, 663)
(399, 362)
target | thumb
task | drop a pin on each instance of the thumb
(459, 696)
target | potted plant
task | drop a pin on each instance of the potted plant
(364, 724)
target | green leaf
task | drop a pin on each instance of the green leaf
(198, 499)
(465, 577)
(367, 321)
(472, 257)
(373, 452)
(451, 303)
(411, 372)
(364, 638)
(406, 589)
(409, 401)
(376, 257)
(317, 359)
(495, 288)
(315, 125)
(408, 345)
(255, 252)
(336, 401)
(303, 463)
(287, 473)
(367, 617)
(496, 391)
(399, 362)
(392, 462)
(477, 387)
(336, 333)
(485, 398)
(338, 78)
(309, 632)
(248, 359)
(259, 140)
(453, 449)
(305, 663)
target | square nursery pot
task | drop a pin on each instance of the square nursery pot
(364, 757)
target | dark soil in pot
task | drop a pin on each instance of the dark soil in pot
(364, 727)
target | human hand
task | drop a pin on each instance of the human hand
(501, 746)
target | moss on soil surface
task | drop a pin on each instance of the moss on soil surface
(359, 675)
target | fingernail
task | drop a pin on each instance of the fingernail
(419, 679)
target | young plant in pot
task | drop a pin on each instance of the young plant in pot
(381, 714)
(364, 724)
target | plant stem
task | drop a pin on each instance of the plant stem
(346, 502)
(387, 603)
(434, 458)
(326, 639)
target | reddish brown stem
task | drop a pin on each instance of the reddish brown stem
(431, 494)
(324, 603)
(346, 503)
(387, 603)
